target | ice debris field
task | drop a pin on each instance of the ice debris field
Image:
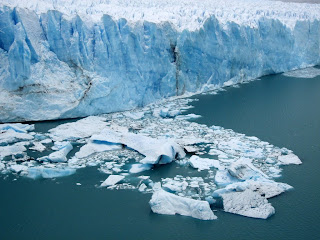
(73, 58)
(217, 169)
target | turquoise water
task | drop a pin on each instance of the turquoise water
(283, 111)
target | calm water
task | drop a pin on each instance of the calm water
(283, 111)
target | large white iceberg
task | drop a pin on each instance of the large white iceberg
(163, 202)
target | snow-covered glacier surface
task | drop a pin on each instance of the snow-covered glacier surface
(63, 59)
(212, 168)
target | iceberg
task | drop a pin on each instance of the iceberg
(68, 59)
(163, 202)
(247, 203)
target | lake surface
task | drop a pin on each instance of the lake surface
(281, 110)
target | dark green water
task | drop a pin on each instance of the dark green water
(283, 111)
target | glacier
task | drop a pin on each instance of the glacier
(68, 59)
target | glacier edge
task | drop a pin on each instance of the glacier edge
(54, 67)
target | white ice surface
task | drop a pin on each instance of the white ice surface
(289, 159)
(183, 14)
(137, 168)
(80, 129)
(112, 180)
(91, 148)
(203, 163)
(247, 203)
(156, 151)
(163, 202)
(60, 155)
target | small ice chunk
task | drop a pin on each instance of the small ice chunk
(247, 203)
(289, 159)
(38, 146)
(203, 163)
(142, 187)
(18, 168)
(58, 156)
(136, 168)
(112, 180)
(163, 202)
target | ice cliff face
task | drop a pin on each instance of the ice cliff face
(97, 57)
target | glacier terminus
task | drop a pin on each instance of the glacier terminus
(67, 59)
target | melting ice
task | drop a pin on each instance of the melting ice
(220, 169)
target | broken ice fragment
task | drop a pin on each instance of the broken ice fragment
(112, 180)
(247, 203)
(163, 202)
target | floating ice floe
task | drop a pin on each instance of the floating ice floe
(112, 180)
(289, 159)
(17, 148)
(156, 151)
(38, 146)
(91, 148)
(203, 163)
(265, 187)
(247, 203)
(80, 129)
(137, 168)
(123, 145)
(58, 156)
(163, 202)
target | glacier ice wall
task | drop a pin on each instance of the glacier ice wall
(55, 66)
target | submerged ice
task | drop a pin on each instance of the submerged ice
(217, 165)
